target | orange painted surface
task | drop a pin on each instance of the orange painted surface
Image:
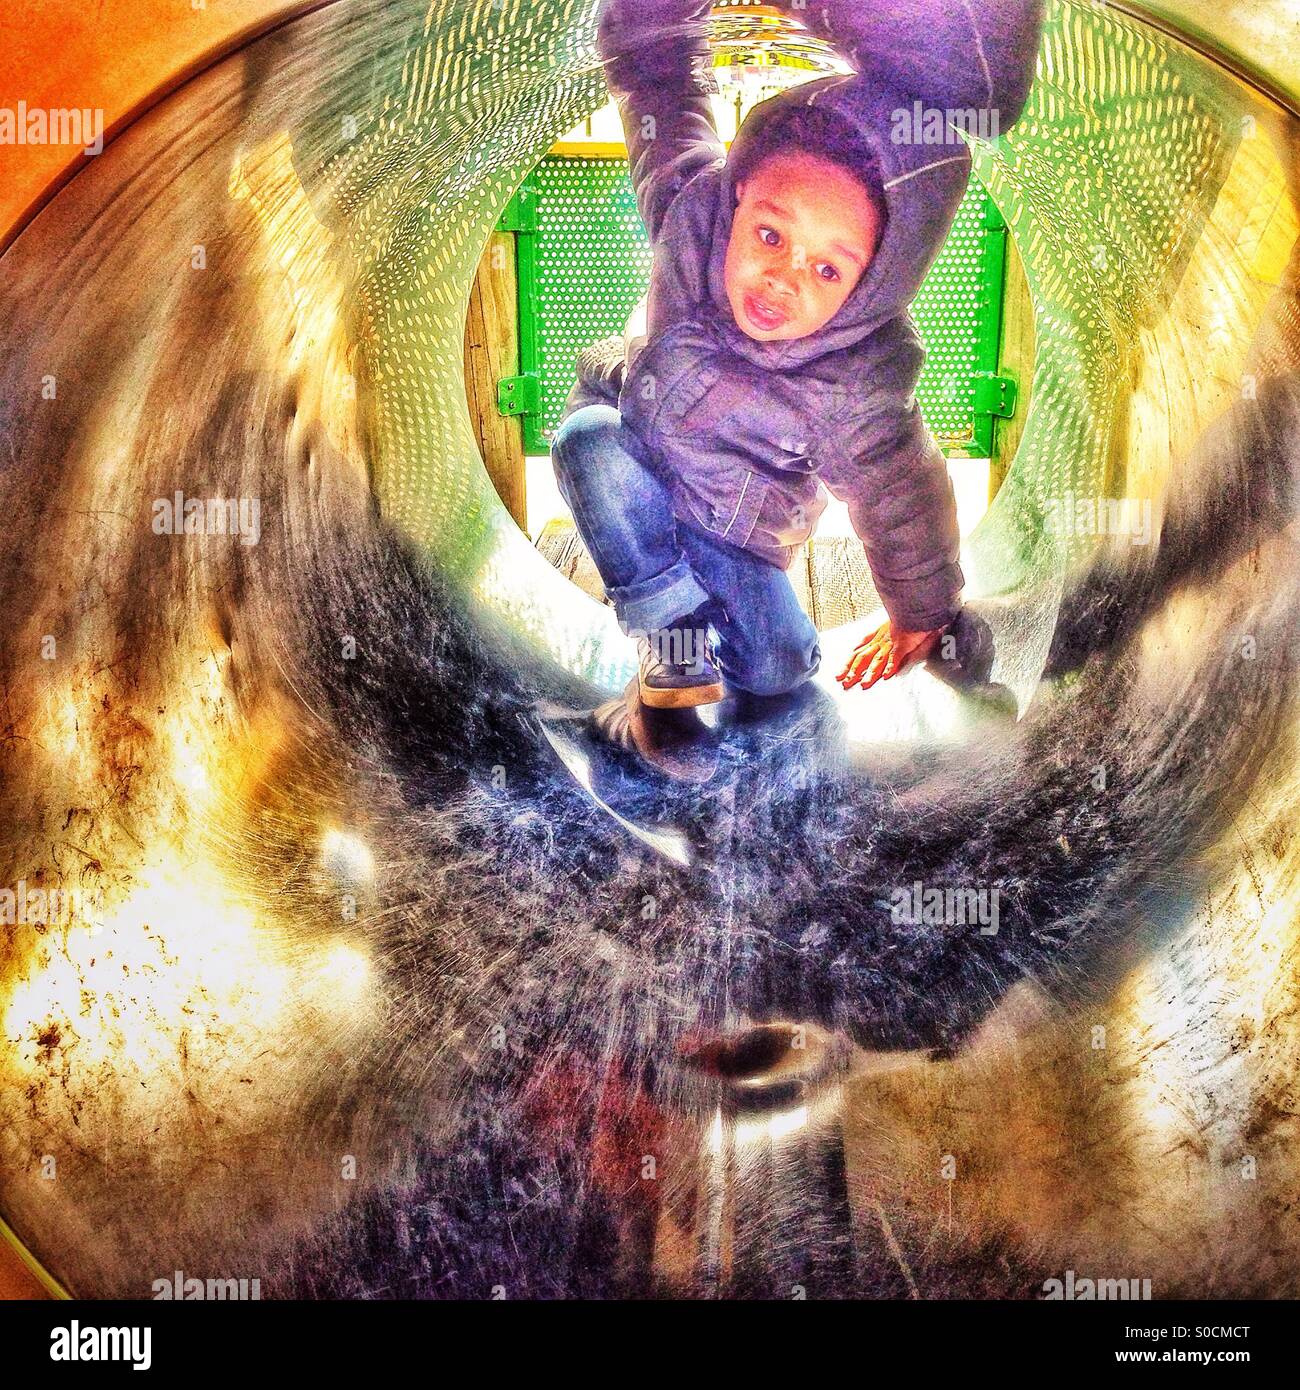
(112, 56)
(16, 1281)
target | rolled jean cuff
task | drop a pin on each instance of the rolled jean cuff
(656, 603)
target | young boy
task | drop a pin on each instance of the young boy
(778, 354)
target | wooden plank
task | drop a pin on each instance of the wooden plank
(1016, 358)
(492, 352)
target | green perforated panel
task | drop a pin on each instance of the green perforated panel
(959, 315)
(589, 261)
(592, 261)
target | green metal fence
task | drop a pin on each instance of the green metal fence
(584, 261)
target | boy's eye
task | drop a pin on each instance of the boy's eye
(769, 236)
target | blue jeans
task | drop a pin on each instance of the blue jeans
(658, 570)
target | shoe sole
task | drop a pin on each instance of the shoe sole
(685, 697)
(619, 722)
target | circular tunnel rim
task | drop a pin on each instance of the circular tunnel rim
(48, 1282)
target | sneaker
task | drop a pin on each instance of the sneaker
(677, 669)
(676, 741)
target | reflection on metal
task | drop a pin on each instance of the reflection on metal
(670, 843)
(359, 993)
(1259, 42)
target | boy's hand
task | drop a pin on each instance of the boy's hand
(885, 653)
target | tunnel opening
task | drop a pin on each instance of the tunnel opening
(569, 255)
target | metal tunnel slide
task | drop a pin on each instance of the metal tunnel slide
(354, 990)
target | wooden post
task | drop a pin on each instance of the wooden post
(1016, 359)
(492, 352)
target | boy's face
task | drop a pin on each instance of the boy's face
(804, 232)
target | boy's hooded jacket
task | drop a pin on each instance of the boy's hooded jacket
(742, 430)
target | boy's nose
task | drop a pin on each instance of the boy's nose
(780, 288)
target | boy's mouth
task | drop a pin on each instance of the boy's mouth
(763, 315)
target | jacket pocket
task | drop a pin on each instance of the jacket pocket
(725, 501)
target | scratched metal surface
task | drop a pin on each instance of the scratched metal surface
(358, 990)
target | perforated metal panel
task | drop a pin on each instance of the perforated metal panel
(590, 261)
(959, 315)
